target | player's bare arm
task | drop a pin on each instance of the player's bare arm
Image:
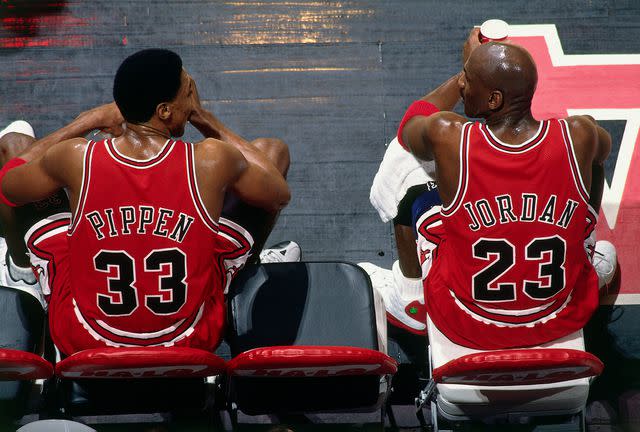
(104, 117)
(591, 142)
(50, 164)
(264, 188)
(437, 136)
(43, 176)
(260, 183)
(604, 142)
(208, 124)
(592, 145)
(221, 167)
(218, 165)
(423, 134)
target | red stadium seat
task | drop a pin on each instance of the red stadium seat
(22, 324)
(140, 363)
(519, 367)
(305, 339)
(21, 365)
(311, 361)
(549, 380)
(138, 380)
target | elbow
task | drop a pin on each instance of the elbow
(7, 195)
(284, 197)
(281, 198)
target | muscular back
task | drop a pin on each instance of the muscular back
(511, 258)
(438, 138)
(218, 167)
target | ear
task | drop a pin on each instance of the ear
(496, 100)
(163, 111)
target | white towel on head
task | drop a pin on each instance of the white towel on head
(399, 170)
(19, 126)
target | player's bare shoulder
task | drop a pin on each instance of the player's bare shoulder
(584, 135)
(429, 136)
(446, 125)
(582, 129)
(218, 156)
(443, 132)
(65, 160)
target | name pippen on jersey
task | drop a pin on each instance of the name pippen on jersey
(486, 213)
(126, 220)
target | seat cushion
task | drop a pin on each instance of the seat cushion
(140, 363)
(21, 365)
(519, 367)
(311, 361)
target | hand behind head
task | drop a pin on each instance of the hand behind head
(472, 42)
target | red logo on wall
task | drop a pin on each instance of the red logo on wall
(607, 87)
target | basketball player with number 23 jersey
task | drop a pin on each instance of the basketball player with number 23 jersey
(519, 198)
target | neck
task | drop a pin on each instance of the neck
(148, 130)
(514, 125)
(512, 116)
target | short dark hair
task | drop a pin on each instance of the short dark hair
(144, 80)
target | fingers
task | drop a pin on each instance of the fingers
(114, 131)
(474, 34)
(472, 42)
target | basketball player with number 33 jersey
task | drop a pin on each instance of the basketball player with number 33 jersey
(145, 256)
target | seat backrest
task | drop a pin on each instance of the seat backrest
(321, 303)
(22, 321)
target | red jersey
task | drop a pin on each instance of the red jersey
(148, 265)
(511, 268)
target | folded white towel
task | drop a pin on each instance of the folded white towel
(19, 126)
(399, 170)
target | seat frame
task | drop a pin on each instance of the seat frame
(464, 402)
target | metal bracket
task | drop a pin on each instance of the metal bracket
(425, 395)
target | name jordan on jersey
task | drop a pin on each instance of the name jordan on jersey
(482, 214)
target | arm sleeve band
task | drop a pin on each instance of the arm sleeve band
(15, 162)
(417, 108)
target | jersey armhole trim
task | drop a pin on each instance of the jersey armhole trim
(573, 161)
(195, 191)
(237, 234)
(84, 187)
(463, 176)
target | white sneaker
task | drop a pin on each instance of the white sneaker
(605, 261)
(12, 276)
(403, 297)
(286, 251)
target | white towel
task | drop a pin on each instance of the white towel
(399, 170)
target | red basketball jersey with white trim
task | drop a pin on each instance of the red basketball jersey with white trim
(512, 269)
(147, 262)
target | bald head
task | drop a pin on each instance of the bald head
(505, 68)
